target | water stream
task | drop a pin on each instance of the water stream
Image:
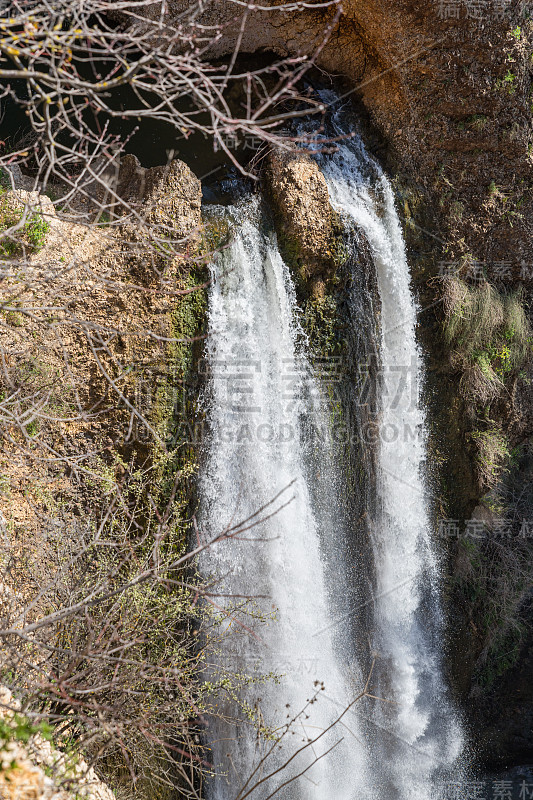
(274, 576)
(418, 738)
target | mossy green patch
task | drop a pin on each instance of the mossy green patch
(322, 324)
(175, 413)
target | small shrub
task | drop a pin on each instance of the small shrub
(517, 330)
(35, 231)
(492, 452)
(457, 210)
(477, 121)
(494, 190)
(32, 428)
(472, 315)
(479, 382)
(507, 83)
(17, 728)
(30, 236)
(486, 329)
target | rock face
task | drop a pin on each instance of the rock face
(15, 178)
(352, 47)
(446, 85)
(171, 195)
(306, 221)
(22, 204)
(146, 324)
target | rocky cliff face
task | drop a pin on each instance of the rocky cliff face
(447, 88)
(447, 85)
(122, 294)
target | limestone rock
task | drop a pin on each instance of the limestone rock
(174, 197)
(131, 179)
(300, 195)
(16, 178)
(171, 195)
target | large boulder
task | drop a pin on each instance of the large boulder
(306, 221)
(170, 196)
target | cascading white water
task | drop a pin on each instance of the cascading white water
(417, 739)
(261, 390)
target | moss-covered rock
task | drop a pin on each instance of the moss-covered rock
(477, 340)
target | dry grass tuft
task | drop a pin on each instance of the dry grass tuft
(490, 342)
(489, 336)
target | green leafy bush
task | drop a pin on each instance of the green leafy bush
(28, 237)
(17, 728)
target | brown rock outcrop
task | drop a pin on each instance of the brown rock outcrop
(306, 221)
(365, 44)
(170, 196)
(447, 88)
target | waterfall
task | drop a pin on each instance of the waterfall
(262, 395)
(416, 738)
(272, 572)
